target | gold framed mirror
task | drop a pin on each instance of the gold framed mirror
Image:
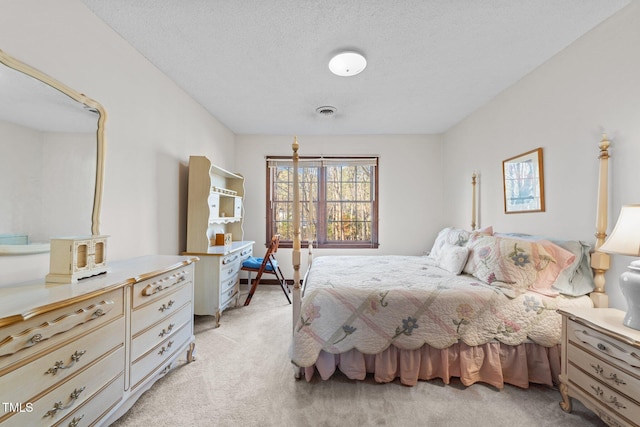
(54, 187)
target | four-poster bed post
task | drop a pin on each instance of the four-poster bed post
(600, 260)
(474, 177)
(297, 297)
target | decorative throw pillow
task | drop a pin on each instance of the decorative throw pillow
(450, 235)
(577, 278)
(517, 264)
(453, 258)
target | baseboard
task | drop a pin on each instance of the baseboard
(267, 282)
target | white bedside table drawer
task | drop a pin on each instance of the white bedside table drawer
(604, 395)
(606, 346)
(605, 372)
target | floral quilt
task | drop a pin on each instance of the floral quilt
(370, 302)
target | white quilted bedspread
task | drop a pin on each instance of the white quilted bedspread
(369, 302)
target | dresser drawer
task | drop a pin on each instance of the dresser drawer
(228, 293)
(42, 332)
(230, 259)
(99, 405)
(615, 351)
(153, 359)
(603, 395)
(230, 271)
(59, 402)
(160, 308)
(605, 372)
(158, 286)
(149, 338)
(22, 384)
(246, 253)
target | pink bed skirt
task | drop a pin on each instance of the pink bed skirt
(492, 363)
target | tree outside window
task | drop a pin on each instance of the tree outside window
(338, 201)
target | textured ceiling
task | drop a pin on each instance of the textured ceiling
(260, 66)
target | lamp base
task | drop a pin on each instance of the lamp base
(630, 287)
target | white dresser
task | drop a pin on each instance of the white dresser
(218, 277)
(81, 354)
(601, 364)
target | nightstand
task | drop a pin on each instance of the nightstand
(601, 364)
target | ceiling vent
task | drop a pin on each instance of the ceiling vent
(326, 110)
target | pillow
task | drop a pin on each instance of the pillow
(577, 278)
(452, 258)
(517, 264)
(488, 230)
(450, 235)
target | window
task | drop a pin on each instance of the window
(338, 201)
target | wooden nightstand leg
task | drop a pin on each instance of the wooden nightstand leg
(190, 352)
(218, 314)
(566, 400)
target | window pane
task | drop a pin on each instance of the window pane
(338, 194)
(363, 191)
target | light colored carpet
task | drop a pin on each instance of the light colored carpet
(243, 377)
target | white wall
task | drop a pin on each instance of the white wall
(410, 193)
(563, 106)
(152, 126)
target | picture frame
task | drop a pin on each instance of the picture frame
(523, 183)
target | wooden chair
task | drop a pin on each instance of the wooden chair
(268, 265)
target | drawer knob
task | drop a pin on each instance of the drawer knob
(602, 347)
(60, 365)
(59, 406)
(167, 306)
(164, 349)
(74, 422)
(166, 369)
(612, 376)
(35, 339)
(612, 400)
(166, 331)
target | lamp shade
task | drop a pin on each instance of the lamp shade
(625, 237)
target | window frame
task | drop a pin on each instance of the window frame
(320, 240)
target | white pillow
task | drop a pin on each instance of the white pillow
(448, 235)
(452, 257)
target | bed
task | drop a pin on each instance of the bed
(480, 307)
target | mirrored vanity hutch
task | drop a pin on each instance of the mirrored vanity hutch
(78, 347)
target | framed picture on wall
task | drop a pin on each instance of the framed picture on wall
(523, 182)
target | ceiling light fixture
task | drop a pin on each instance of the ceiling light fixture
(347, 64)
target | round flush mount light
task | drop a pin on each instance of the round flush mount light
(326, 110)
(347, 64)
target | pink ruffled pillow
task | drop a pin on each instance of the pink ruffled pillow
(516, 264)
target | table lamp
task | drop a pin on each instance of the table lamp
(625, 240)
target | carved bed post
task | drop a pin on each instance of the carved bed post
(296, 236)
(600, 260)
(474, 176)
